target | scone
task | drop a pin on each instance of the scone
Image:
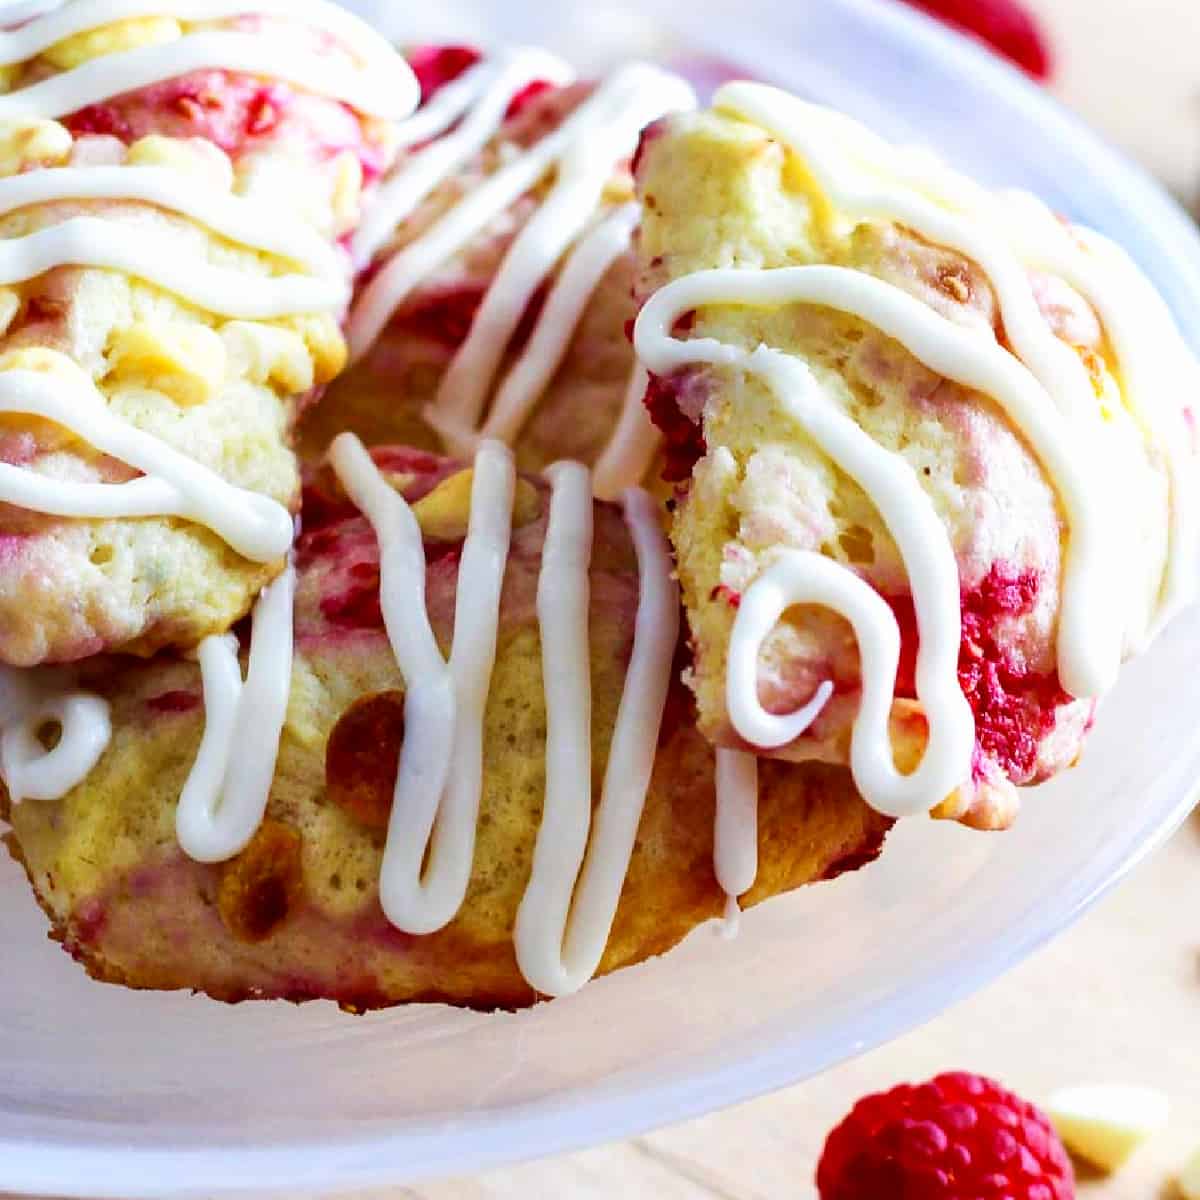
(296, 910)
(499, 268)
(173, 192)
(935, 452)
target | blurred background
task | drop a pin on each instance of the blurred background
(1129, 66)
(1132, 68)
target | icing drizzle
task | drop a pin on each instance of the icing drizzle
(559, 941)
(567, 912)
(1041, 386)
(580, 156)
(440, 779)
(735, 830)
(226, 793)
(380, 84)
(377, 82)
(31, 702)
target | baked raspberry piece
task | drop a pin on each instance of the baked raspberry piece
(958, 1137)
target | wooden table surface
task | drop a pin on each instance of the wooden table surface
(1116, 998)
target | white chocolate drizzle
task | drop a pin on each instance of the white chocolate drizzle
(579, 157)
(31, 701)
(569, 906)
(153, 255)
(1041, 386)
(217, 814)
(860, 176)
(241, 220)
(378, 84)
(571, 900)
(458, 122)
(586, 266)
(630, 452)
(735, 830)
(225, 796)
(173, 484)
(440, 779)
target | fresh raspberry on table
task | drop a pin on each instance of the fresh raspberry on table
(1005, 25)
(958, 1137)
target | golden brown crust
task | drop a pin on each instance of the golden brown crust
(812, 827)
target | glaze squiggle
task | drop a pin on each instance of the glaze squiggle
(380, 85)
(30, 701)
(458, 122)
(249, 223)
(860, 176)
(173, 485)
(1041, 385)
(580, 156)
(567, 912)
(571, 900)
(956, 353)
(226, 793)
(440, 779)
(531, 374)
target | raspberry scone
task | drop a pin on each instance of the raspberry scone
(499, 269)
(369, 842)
(175, 180)
(935, 451)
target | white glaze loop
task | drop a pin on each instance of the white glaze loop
(891, 483)
(381, 84)
(256, 526)
(567, 912)
(225, 797)
(800, 577)
(31, 700)
(435, 806)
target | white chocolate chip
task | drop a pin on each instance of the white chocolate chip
(1104, 1124)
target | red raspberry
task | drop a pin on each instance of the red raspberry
(958, 1137)
(436, 66)
(1005, 25)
